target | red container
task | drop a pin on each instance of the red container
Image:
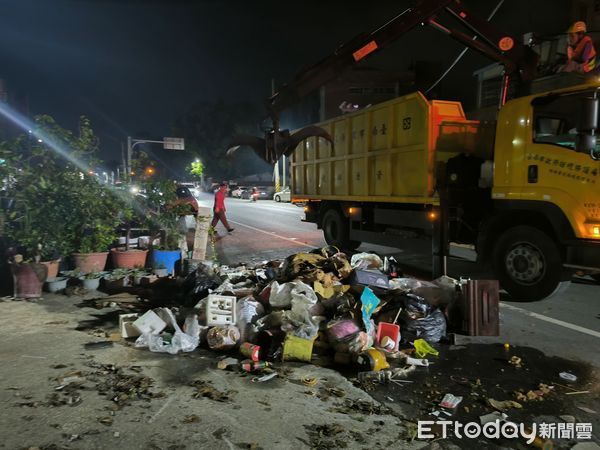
(252, 366)
(390, 330)
(250, 351)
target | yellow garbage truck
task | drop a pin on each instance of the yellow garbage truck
(525, 192)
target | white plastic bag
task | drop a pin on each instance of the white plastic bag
(365, 261)
(248, 311)
(180, 342)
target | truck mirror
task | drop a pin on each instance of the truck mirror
(586, 143)
(588, 115)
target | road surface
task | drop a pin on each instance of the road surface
(566, 325)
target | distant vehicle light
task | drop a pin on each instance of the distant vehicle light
(134, 190)
(432, 215)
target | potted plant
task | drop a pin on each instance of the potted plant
(59, 208)
(56, 284)
(91, 281)
(137, 274)
(162, 219)
(160, 270)
(28, 277)
(117, 278)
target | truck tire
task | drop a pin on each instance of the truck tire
(336, 231)
(528, 264)
(277, 198)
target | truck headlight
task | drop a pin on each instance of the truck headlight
(593, 230)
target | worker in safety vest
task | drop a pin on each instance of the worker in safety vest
(581, 52)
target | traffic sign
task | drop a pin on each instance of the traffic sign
(173, 143)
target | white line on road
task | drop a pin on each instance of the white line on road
(568, 325)
(272, 233)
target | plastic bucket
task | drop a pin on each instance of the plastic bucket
(390, 330)
(165, 259)
(297, 349)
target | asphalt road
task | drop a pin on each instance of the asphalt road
(566, 325)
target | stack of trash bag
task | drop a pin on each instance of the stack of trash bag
(309, 303)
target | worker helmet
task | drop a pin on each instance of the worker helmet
(578, 27)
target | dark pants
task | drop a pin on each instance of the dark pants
(219, 216)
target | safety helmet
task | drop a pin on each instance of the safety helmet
(578, 27)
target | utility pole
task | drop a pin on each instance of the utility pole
(129, 149)
(284, 169)
(276, 168)
(169, 143)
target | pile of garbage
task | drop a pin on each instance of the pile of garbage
(356, 312)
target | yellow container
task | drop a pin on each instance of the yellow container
(297, 349)
(386, 153)
(373, 358)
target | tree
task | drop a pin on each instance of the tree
(57, 207)
(197, 169)
(208, 127)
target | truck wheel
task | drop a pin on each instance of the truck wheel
(528, 264)
(336, 231)
(277, 198)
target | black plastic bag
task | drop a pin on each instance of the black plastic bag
(198, 283)
(431, 328)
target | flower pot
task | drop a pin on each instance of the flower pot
(91, 284)
(166, 259)
(90, 262)
(28, 279)
(56, 284)
(129, 259)
(161, 272)
(52, 267)
(137, 278)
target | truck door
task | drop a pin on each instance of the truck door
(554, 171)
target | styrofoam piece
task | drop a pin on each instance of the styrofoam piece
(220, 310)
(417, 361)
(150, 323)
(126, 325)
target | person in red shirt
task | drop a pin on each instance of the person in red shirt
(219, 208)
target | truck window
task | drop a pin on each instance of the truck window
(556, 117)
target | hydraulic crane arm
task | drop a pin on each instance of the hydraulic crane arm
(517, 58)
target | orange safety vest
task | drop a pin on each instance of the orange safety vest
(584, 53)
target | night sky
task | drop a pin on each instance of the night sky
(135, 66)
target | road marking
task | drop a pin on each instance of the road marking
(272, 234)
(568, 325)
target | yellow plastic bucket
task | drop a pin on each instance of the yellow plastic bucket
(373, 359)
(297, 349)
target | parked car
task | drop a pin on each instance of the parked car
(192, 187)
(283, 196)
(185, 197)
(238, 191)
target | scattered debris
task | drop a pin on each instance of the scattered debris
(205, 389)
(516, 361)
(192, 418)
(568, 376)
(503, 405)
